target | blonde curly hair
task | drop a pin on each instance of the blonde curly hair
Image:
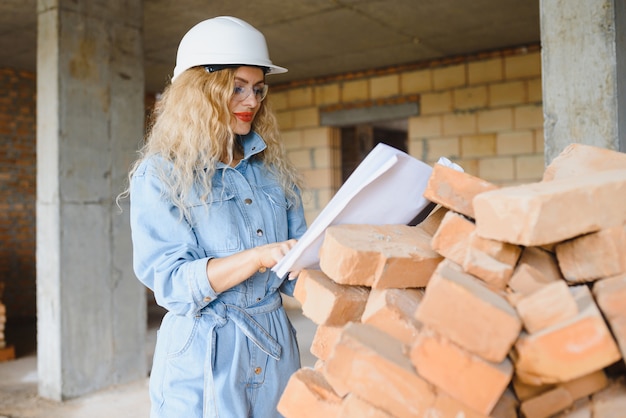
(192, 131)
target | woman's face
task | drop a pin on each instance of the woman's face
(249, 92)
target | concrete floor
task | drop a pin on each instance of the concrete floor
(18, 383)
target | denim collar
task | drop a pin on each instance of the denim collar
(252, 145)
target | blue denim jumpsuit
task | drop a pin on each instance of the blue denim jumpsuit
(217, 355)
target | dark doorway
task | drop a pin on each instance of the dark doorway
(357, 141)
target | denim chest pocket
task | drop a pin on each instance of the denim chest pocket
(216, 223)
(279, 207)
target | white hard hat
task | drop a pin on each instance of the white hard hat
(223, 40)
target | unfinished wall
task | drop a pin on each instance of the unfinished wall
(17, 188)
(484, 112)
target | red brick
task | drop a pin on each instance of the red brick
(532, 214)
(610, 294)
(460, 307)
(452, 237)
(547, 404)
(454, 189)
(535, 268)
(324, 341)
(446, 406)
(379, 256)
(581, 159)
(593, 256)
(308, 395)
(432, 222)
(491, 261)
(466, 377)
(550, 305)
(567, 350)
(393, 311)
(327, 303)
(373, 366)
(507, 406)
(355, 407)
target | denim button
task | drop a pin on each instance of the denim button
(259, 232)
(257, 370)
(247, 201)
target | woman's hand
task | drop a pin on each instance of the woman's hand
(224, 273)
(270, 254)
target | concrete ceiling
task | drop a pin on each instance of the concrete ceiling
(312, 37)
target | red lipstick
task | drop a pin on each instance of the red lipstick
(245, 116)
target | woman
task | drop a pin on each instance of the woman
(214, 205)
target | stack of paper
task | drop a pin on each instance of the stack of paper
(386, 188)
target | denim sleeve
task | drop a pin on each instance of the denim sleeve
(297, 227)
(166, 256)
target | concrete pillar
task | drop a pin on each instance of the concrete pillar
(583, 57)
(90, 116)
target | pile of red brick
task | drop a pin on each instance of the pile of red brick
(505, 302)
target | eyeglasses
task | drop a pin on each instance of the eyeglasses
(241, 93)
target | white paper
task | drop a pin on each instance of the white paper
(386, 188)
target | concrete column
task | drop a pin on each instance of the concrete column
(584, 77)
(90, 116)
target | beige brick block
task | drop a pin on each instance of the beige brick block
(548, 306)
(454, 189)
(515, 142)
(449, 77)
(324, 341)
(308, 395)
(278, 100)
(495, 120)
(354, 407)
(301, 158)
(538, 208)
(446, 406)
(451, 239)
(539, 141)
(467, 98)
(522, 66)
(525, 117)
(593, 256)
(491, 261)
(496, 169)
(535, 90)
(393, 311)
(307, 117)
(434, 103)
(508, 93)
(459, 124)
(425, 126)
(292, 139)
(481, 322)
(464, 376)
(384, 86)
(535, 269)
(449, 147)
(319, 178)
(317, 137)
(379, 256)
(327, 94)
(286, 119)
(478, 145)
(416, 81)
(581, 159)
(373, 366)
(327, 303)
(353, 91)
(487, 71)
(300, 97)
(324, 158)
(569, 349)
(529, 167)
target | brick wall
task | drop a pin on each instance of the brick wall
(483, 112)
(17, 188)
